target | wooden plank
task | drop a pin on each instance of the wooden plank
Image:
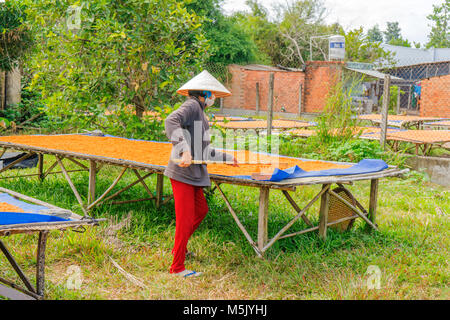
(126, 188)
(286, 227)
(41, 166)
(238, 222)
(93, 204)
(263, 215)
(16, 267)
(150, 193)
(40, 267)
(92, 181)
(49, 170)
(72, 186)
(15, 294)
(270, 104)
(385, 110)
(323, 213)
(258, 99)
(296, 207)
(78, 163)
(317, 227)
(24, 157)
(373, 202)
(159, 189)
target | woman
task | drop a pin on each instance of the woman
(187, 128)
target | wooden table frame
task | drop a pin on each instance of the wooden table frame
(36, 292)
(420, 147)
(263, 243)
(95, 163)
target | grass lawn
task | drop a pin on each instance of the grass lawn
(411, 248)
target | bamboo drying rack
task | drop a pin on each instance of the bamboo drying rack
(262, 242)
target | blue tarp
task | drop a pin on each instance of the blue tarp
(26, 207)
(31, 212)
(7, 218)
(362, 167)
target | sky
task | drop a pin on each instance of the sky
(351, 14)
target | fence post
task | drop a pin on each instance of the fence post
(257, 98)
(385, 109)
(300, 100)
(409, 97)
(2, 90)
(398, 99)
(270, 105)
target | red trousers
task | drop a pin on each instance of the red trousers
(190, 210)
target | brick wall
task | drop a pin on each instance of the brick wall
(314, 84)
(320, 77)
(435, 97)
(243, 87)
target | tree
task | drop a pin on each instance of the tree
(393, 35)
(374, 34)
(400, 42)
(101, 53)
(263, 32)
(300, 20)
(359, 48)
(392, 32)
(227, 42)
(15, 37)
(439, 36)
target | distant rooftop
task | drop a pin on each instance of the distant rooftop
(411, 56)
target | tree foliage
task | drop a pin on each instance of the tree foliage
(374, 34)
(393, 31)
(15, 37)
(358, 47)
(227, 42)
(96, 54)
(439, 36)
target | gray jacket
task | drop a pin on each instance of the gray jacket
(188, 129)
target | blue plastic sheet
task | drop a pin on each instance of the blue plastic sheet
(26, 207)
(31, 214)
(7, 218)
(362, 167)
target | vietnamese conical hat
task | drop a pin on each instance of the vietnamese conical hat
(205, 81)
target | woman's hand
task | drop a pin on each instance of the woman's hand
(186, 159)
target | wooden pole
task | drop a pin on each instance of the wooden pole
(92, 181)
(323, 213)
(409, 96)
(221, 105)
(384, 110)
(40, 268)
(398, 99)
(41, 166)
(300, 100)
(263, 215)
(159, 189)
(2, 90)
(270, 105)
(72, 186)
(258, 99)
(373, 200)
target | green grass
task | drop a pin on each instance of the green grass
(411, 248)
